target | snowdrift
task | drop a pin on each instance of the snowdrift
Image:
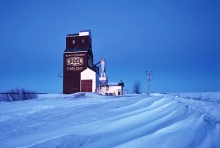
(89, 120)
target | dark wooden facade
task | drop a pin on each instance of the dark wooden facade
(73, 41)
(77, 57)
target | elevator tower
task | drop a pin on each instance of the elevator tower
(78, 58)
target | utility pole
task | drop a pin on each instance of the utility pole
(149, 72)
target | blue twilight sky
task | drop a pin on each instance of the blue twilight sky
(179, 40)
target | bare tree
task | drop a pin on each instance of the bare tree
(137, 87)
(18, 95)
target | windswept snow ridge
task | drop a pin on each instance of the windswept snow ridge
(207, 103)
(89, 120)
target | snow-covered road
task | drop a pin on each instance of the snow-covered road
(90, 120)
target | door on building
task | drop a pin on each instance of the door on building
(119, 92)
(86, 85)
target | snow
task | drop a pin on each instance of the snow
(84, 120)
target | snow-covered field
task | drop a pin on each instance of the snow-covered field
(180, 120)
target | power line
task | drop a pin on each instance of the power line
(170, 52)
(149, 72)
(165, 31)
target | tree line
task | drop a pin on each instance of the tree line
(18, 94)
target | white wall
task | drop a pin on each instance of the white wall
(88, 74)
(111, 89)
(115, 89)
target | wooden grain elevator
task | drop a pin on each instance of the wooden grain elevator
(79, 72)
